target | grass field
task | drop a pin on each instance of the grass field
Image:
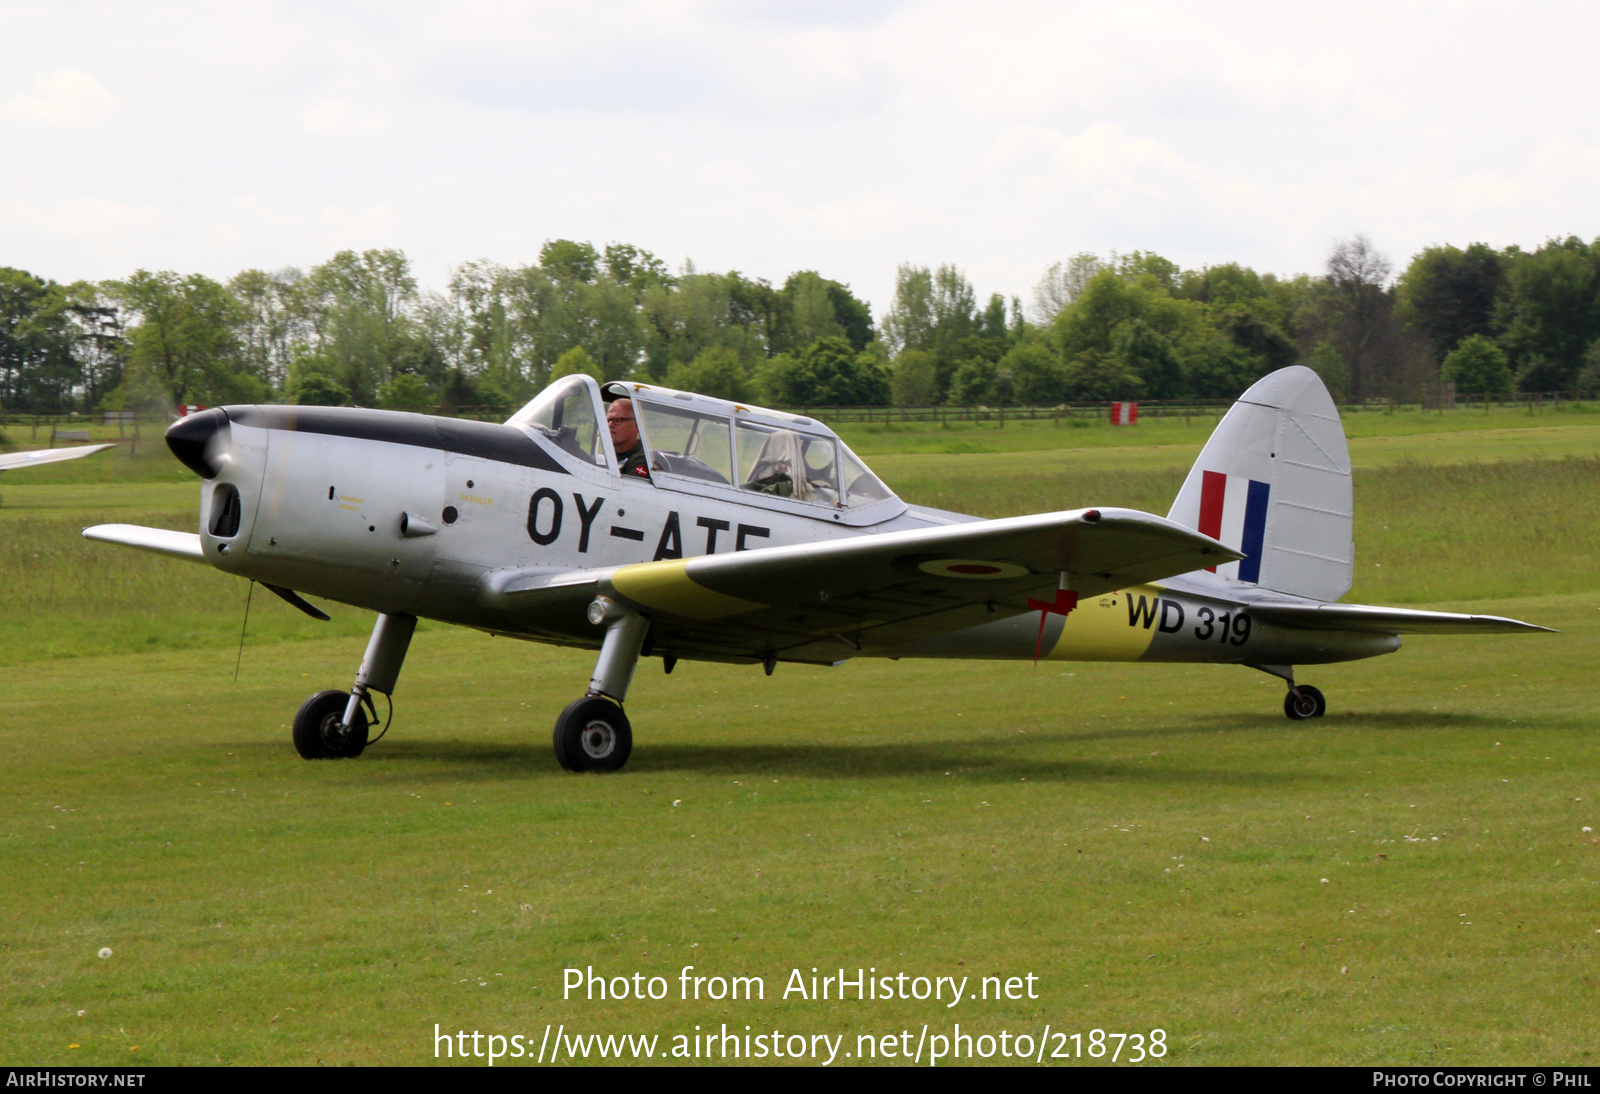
(1406, 881)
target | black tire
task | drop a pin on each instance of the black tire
(318, 732)
(1311, 704)
(593, 734)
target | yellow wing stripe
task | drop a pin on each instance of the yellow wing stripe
(1098, 628)
(667, 587)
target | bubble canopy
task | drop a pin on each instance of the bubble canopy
(695, 439)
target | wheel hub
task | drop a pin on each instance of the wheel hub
(599, 739)
(334, 731)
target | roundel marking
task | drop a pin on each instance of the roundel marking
(972, 569)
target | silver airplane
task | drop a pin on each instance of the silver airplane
(750, 536)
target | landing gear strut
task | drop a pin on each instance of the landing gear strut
(1303, 701)
(593, 733)
(331, 724)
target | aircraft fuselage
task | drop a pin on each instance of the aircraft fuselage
(401, 513)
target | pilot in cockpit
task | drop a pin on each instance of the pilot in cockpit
(625, 438)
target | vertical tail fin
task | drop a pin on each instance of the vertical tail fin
(1274, 482)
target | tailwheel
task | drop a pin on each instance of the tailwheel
(593, 734)
(1309, 703)
(320, 732)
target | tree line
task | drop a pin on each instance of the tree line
(358, 330)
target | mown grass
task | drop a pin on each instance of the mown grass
(1150, 841)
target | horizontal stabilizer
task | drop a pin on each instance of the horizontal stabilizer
(1373, 620)
(161, 541)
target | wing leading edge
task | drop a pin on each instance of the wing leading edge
(161, 541)
(12, 460)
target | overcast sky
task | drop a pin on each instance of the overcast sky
(844, 137)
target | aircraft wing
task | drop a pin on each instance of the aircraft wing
(12, 460)
(873, 593)
(161, 541)
(1374, 620)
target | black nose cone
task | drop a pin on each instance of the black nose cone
(196, 442)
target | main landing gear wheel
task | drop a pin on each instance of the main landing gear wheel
(319, 732)
(593, 734)
(1310, 703)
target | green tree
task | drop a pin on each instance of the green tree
(635, 269)
(274, 316)
(829, 373)
(1107, 302)
(716, 372)
(1589, 378)
(914, 380)
(185, 338)
(1224, 285)
(992, 321)
(910, 320)
(1150, 356)
(699, 311)
(1477, 366)
(810, 307)
(37, 367)
(576, 361)
(1038, 375)
(98, 343)
(359, 310)
(973, 383)
(1137, 265)
(934, 311)
(1547, 315)
(1449, 294)
(1325, 361)
(1358, 316)
(1095, 375)
(405, 392)
(1063, 283)
(1217, 368)
(309, 386)
(478, 316)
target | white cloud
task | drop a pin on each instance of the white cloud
(725, 172)
(838, 135)
(93, 220)
(250, 221)
(65, 99)
(1030, 60)
(337, 118)
(1107, 167)
(373, 226)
